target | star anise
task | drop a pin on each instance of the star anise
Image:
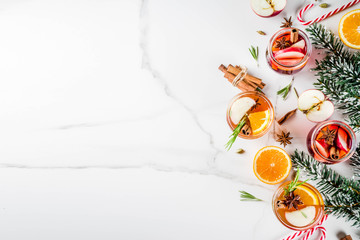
(291, 201)
(256, 104)
(282, 43)
(284, 138)
(328, 135)
(287, 23)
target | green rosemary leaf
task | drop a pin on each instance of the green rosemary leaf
(245, 196)
(254, 51)
(294, 183)
(235, 133)
(285, 91)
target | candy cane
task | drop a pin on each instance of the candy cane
(310, 231)
(300, 14)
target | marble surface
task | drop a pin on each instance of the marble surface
(113, 120)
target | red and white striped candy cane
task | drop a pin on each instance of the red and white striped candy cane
(301, 12)
(311, 231)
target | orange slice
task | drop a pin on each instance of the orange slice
(259, 121)
(349, 29)
(307, 196)
(272, 165)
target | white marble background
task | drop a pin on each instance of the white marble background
(113, 120)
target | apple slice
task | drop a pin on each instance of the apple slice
(240, 107)
(264, 8)
(342, 140)
(322, 112)
(299, 44)
(309, 98)
(289, 62)
(290, 53)
(302, 217)
(322, 147)
(313, 104)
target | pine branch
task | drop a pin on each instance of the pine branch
(355, 161)
(342, 195)
(338, 73)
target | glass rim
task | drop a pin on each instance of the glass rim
(342, 124)
(307, 42)
(243, 94)
(280, 189)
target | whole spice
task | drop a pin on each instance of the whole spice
(328, 135)
(291, 201)
(287, 116)
(282, 43)
(246, 129)
(324, 5)
(240, 151)
(261, 32)
(284, 138)
(347, 237)
(287, 23)
(334, 153)
(294, 35)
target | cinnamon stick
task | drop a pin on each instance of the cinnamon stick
(246, 129)
(294, 35)
(334, 153)
(287, 116)
(241, 85)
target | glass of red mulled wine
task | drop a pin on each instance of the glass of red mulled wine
(331, 142)
(288, 51)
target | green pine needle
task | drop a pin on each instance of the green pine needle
(285, 91)
(338, 73)
(245, 196)
(341, 195)
(255, 53)
(235, 133)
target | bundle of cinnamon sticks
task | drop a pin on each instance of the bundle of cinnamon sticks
(247, 82)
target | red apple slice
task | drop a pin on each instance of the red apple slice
(289, 54)
(322, 112)
(264, 8)
(299, 44)
(342, 139)
(322, 147)
(290, 49)
(289, 62)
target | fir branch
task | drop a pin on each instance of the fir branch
(235, 133)
(341, 195)
(285, 91)
(254, 53)
(245, 196)
(338, 73)
(355, 161)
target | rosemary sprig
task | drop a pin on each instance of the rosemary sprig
(255, 53)
(245, 196)
(294, 183)
(235, 133)
(285, 91)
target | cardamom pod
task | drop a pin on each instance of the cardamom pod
(261, 32)
(324, 5)
(240, 151)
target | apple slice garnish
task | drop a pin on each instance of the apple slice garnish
(289, 62)
(342, 140)
(291, 52)
(299, 44)
(240, 107)
(301, 217)
(314, 104)
(322, 147)
(264, 8)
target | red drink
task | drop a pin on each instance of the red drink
(287, 54)
(331, 142)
